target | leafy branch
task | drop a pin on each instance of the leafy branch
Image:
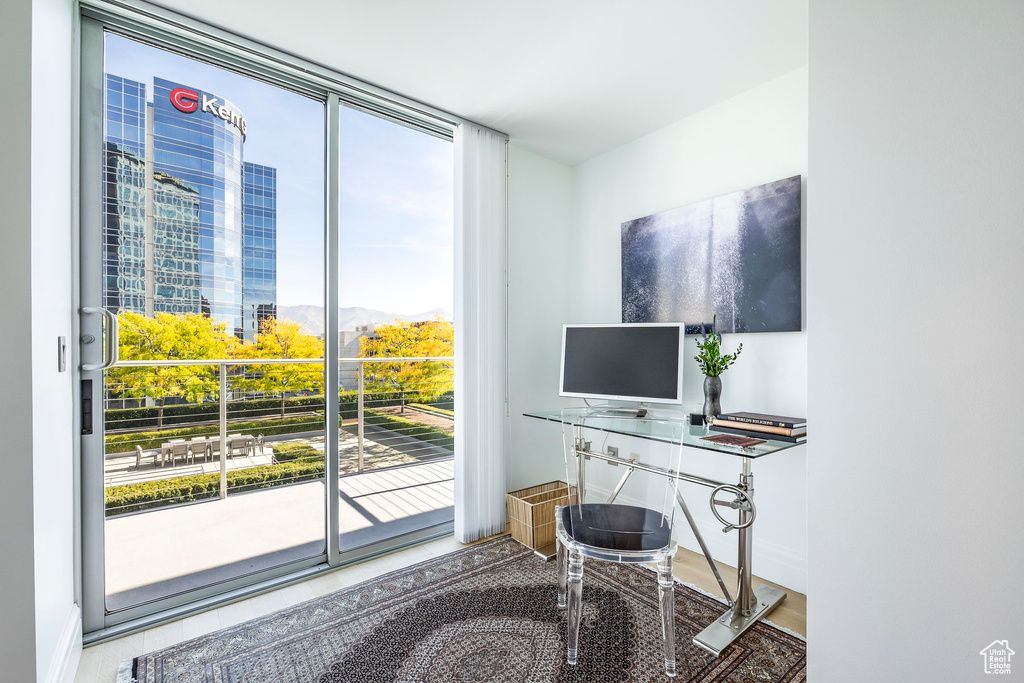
(711, 360)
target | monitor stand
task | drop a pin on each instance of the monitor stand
(625, 411)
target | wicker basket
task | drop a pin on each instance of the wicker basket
(531, 512)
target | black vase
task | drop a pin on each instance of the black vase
(712, 398)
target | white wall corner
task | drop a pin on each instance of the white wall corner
(753, 138)
(64, 664)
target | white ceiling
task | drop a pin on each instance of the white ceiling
(568, 79)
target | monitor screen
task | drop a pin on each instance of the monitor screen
(641, 362)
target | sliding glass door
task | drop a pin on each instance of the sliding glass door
(207, 457)
(395, 293)
(266, 278)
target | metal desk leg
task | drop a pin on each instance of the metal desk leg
(704, 548)
(751, 604)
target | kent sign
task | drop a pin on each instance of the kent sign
(188, 101)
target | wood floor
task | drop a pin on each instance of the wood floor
(99, 663)
(690, 567)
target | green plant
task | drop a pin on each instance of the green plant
(150, 494)
(432, 409)
(286, 452)
(122, 419)
(711, 360)
(126, 441)
(444, 438)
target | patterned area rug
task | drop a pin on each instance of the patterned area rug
(484, 613)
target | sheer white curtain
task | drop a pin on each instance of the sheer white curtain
(481, 424)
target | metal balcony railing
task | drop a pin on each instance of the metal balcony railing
(393, 411)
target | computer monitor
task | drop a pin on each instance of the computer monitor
(625, 362)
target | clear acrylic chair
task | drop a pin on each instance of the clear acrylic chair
(618, 532)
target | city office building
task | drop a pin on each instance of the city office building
(189, 226)
(259, 246)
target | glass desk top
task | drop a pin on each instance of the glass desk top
(659, 428)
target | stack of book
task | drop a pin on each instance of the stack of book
(776, 427)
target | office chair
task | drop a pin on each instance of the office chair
(617, 532)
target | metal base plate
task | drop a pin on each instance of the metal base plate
(547, 553)
(727, 628)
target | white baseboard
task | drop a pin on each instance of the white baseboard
(772, 562)
(64, 664)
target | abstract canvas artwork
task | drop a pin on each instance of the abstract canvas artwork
(735, 256)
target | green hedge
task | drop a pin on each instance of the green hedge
(124, 443)
(190, 413)
(121, 443)
(432, 409)
(445, 438)
(348, 406)
(142, 418)
(295, 462)
(120, 500)
(445, 400)
(286, 452)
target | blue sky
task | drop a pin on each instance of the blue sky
(396, 188)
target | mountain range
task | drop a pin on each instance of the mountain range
(311, 318)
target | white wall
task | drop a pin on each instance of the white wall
(539, 218)
(58, 629)
(17, 575)
(749, 140)
(38, 637)
(914, 307)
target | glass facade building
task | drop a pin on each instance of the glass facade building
(189, 226)
(259, 246)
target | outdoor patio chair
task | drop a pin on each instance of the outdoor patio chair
(178, 449)
(258, 444)
(140, 454)
(200, 446)
(241, 445)
(213, 447)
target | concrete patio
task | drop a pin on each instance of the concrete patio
(161, 552)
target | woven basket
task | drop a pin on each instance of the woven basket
(531, 512)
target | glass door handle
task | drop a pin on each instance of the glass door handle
(111, 338)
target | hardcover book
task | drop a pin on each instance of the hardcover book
(773, 437)
(766, 419)
(755, 427)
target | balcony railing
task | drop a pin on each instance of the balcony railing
(250, 424)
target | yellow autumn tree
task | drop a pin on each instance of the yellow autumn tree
(169, 337)
(426, 379)
(281, 339)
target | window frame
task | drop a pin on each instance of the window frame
(167, 30)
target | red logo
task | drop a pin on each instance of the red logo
(185, 100)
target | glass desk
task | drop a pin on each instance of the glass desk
(750, 605)
(658, 431)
